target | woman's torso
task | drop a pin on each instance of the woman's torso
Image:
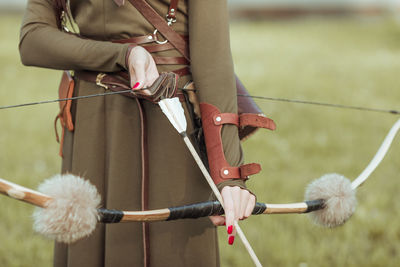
(105, 20)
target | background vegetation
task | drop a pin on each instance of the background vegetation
(348, 61)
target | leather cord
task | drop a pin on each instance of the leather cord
(176, 40)
(145, 182)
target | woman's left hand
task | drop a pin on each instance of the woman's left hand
(239, 204)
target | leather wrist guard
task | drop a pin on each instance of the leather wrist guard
(212, 121)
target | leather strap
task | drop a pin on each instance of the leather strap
(244, 120)
(162, 26)
(243, 171)
(145, 182)
(158, 47)
(257, 121)
(182, 72)
(226, 118)
(170, 61)
(61, 142)
(173, 6)
(144, 39)
(65, 90)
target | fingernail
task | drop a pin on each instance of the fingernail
(224, 224)
(231, 240)
(136, 85)
(230, 229)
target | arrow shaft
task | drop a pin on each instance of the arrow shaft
(219, 197)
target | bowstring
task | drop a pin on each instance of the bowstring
(308, 102)
(64, 99)
(275, 99)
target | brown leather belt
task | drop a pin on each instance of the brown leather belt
(151, 43)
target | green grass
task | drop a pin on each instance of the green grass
(346, 61)
(28, 151)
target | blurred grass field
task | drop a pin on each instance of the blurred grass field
(336, 60)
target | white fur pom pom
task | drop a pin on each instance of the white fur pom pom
(72, 214)
(340, 199)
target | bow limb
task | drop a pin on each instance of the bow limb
(203, 209)
(191, 211)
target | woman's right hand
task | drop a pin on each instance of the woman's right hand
(239, 204)
(142, 68)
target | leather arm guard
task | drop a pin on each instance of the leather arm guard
(212, 121)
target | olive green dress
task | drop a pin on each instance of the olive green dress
(105, 146)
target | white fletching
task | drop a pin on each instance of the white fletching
(173, 109)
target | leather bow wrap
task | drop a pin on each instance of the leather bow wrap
(165, 86)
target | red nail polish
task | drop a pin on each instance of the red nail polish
(230, 229)
(231, 240)
(136, 85)
(224, 224)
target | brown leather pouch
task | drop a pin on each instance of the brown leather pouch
(246, 105)
(65, 90)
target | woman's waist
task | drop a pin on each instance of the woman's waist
(165, 54)
(167, 84)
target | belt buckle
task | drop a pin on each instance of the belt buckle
(99, 78)
(169, 22)
(156, 38)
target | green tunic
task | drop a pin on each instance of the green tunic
(105, 146)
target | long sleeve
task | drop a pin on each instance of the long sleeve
(212, 66)
(42, 44)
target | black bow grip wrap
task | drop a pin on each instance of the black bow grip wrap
(110, 216)
(192, 211)
(204, 209)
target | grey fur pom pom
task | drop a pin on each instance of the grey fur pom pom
(340, 199)
(72, 214)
